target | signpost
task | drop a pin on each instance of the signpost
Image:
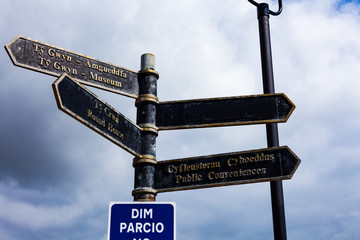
(81, 104)
(141, 221)
(45, 58)
(215, 112)
(144, 221)
(261, 165)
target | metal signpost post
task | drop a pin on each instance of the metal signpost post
(277, 196)
(272, 164)
(146, 115)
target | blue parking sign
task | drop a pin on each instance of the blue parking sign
(141, 221)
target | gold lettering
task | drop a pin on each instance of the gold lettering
(51, 52)
(39, 49)
(62, 57)
(95, 66)
(115, 131)
(178, 178)
(259, 157)
(44, 62)
(57, 65)
(89, 113)
(188, 178)
(95, 118)
(93, 76)
(65, 69)
(98, 106)
(199, 166)
(111, 115)
(172, 169)
(236, 174)
(111, 70)
(96, 77)
(58, 55)
(87, 64)
(232, 162)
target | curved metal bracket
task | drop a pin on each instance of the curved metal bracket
(271, 12)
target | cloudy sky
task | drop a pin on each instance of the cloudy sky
(57, 177)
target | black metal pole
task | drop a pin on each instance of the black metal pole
(277, 196)
(144, 165)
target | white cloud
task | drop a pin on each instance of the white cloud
(37, 217)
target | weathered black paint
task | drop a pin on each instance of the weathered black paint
(144, 179)
(31, 54)
(267, 165)
(77, 101)
(228, 111)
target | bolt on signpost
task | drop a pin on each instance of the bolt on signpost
(144, 219)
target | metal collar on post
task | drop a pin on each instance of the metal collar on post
(271, 12)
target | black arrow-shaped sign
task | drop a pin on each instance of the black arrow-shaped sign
(45, 58)
(228, 111)
(81, 104)
(269, 164)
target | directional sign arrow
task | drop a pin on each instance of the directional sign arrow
(228, 111)
(81, 104)
(269, 164)
(41, 57)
